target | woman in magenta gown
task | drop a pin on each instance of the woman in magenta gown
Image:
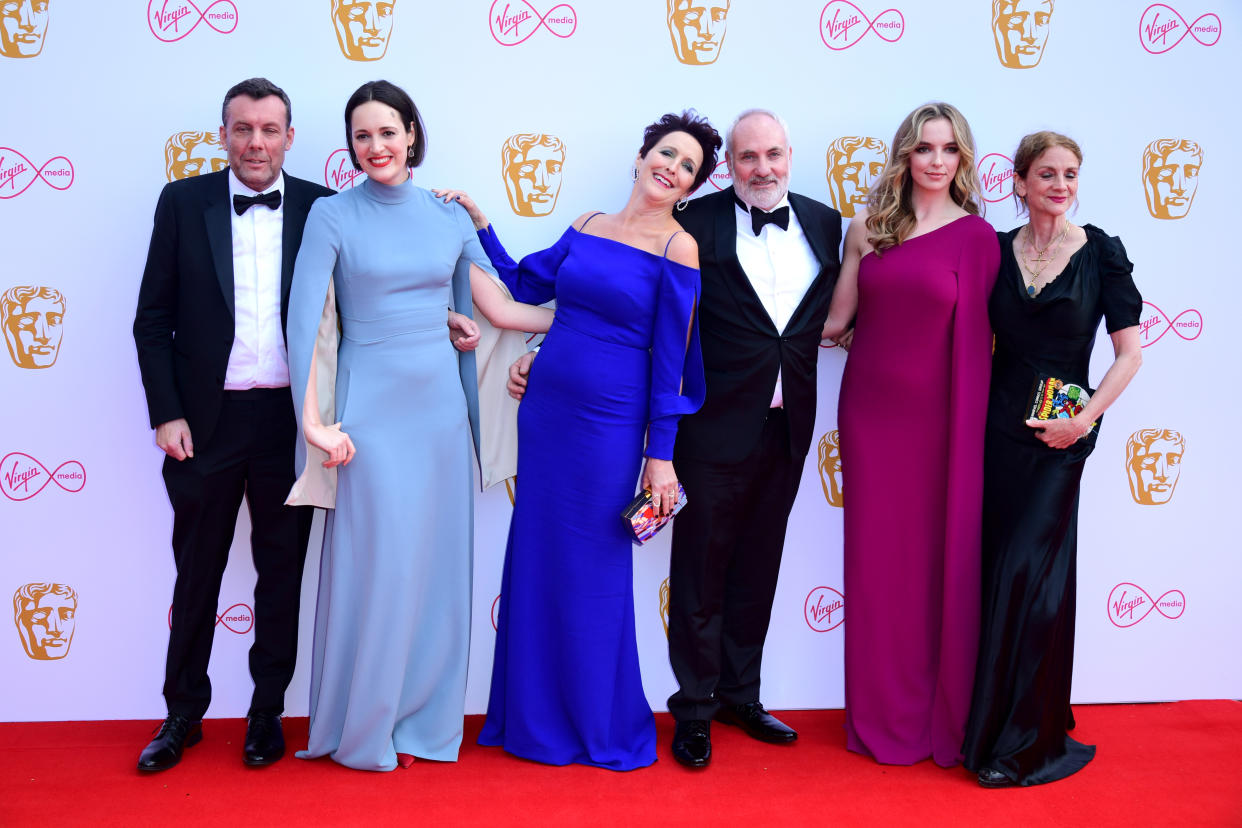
(917, 270)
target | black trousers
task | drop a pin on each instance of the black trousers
(251, 455)
(726, 557)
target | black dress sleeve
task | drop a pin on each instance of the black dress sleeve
(1119, 297)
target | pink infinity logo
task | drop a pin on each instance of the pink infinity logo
(824, 609)
(508, 24)
(1154, 32)
(1188, 330)
(496, 614)
(165, 22)
(17, 173)
(840, 25)
(995, 170)
(1129, 604)
(339, 172)
(228, 618)
(25, 477)
(720, 177)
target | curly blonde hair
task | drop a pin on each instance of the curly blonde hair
(890, 211)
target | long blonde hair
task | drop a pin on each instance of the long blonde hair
(890, 211)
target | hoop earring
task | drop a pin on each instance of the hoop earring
(681, 205)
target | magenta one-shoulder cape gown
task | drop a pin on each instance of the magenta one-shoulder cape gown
(913, 404)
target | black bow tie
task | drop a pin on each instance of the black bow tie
(242, 203)
(758, 218)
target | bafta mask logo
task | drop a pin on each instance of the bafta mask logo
(531, 165)
(1020, 30)
(1171, 176)
(172, 20)
(23, 27)
(1153, 464)
(193, 153)
(44, 615)
(853, 164)
(363, 27)
(830, 468)
(698, 29)
(1161, 28)
(996, 177)
(664, 599)
(32, 317)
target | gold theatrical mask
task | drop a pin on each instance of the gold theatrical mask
(1171, 176)
(1020, 30)
(698, 29)
(853, 164)
(664, 600)
(830, 468)
(531, 164)
(193, 153)
(32, 317)
(1154, 464)
(363, 27)
(23, 27)
(44, 615)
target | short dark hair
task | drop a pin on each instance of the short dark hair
(392, 95)
(256, 88)
(694, 125)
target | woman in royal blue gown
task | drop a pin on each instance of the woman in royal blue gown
(618, 368)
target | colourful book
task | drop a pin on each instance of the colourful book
(1053, 398)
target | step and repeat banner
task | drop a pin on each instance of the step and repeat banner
(537, 110)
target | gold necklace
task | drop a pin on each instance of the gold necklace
(1039, 256)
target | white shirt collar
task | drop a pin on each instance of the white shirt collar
(236, 187)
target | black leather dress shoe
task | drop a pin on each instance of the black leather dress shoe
(692, 743)
(175, 735)
(992, 778)
(757, 722)
(265, 741)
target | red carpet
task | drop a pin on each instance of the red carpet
(1157, 764)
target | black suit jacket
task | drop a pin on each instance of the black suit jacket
(742, 350)
(184, 324)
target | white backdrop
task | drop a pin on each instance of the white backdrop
(94, 92)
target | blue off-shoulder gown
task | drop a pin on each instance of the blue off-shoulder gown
(392, 622)
(621, 364)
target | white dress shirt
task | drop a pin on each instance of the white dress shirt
(258, 358)
(780, 266)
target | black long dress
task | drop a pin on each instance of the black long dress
(1021, 706)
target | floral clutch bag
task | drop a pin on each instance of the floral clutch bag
(641, 520)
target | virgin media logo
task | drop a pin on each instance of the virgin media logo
(721, 178)
(1161, 28)
(514, 23)
(22, 477)
(18, 173)
(824, 609)
(1129, 604)
(171, 20)
(339, 172)
(496, 614)
(237, 619)
(1155, 323)
(995, 175)
(842, 25)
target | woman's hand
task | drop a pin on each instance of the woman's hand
(1061, 432)
(844, 340)
(660, 479)
(332, 441)
(463, 331)
(472, 209)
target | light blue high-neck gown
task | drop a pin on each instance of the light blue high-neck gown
(392, 622)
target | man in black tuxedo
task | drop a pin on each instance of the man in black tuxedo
(769, 260)
(210, 336)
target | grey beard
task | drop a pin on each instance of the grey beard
(764, 200)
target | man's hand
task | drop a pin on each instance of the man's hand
(174, 438)
(463, 332)
(518, 372)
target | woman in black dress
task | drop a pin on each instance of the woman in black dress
(1056, 282)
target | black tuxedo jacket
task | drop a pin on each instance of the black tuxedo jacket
(742, 349)
(184, 324)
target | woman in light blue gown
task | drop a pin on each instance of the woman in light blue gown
(392, 623)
